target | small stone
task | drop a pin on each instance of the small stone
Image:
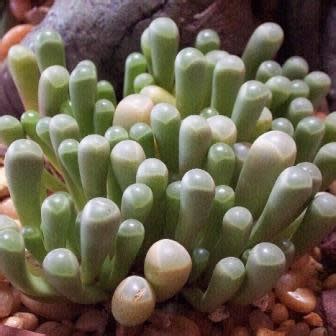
(52, 328)
(268, 332)
(6, 300)
(219, 315)
(259, 320)
(93, 320)
(13, 321)
(7, 208)
(320, 331)
(3, 183)
(266, 302)
(16, 300)
(286, 325)
(180, 326)
(128, 331)
(240, 331)
(332, 188)
(228, 327)
(299, 329)
(51, 311)
(328, 299)
(316, 253)
(279, 313)
(313, 319)
(330, 282)
(29, 320)
(301, 300)
(202, 321)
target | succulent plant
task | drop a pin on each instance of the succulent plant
(188, 181)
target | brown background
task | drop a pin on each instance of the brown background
(106, 31)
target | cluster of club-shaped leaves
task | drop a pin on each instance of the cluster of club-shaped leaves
(207, 178)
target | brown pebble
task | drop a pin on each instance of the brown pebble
(241, 313)
(268, 332)
(218, 315)
(3, 183)
(93, 320)
(228, 326)
(328, 299)
(216, 331)
(286, 325)
(316, 253)
(16, 300)
(128, 331)
(330, 282)
(52, 328)
(51, 311)
(320, 331)
(313, 319)
(161, 318)
(291, 290)
(315, 284)
(307, 266)
(332, 188)
(299, 329)
(7, 208)
(36, 14)
(202, 321)
(13, 321)
(301, 300)
(240, 331)
(30, 321)
(266, 302)
(279, 313)
(180, 325)
(258, 320)
(6, 300)
(68, 323)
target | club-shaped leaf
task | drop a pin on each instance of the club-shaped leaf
(49, 49)
(263, 45)
(291, 191)
(267, 70)
(228, 76)
(24, 70)
(197, 194)
(83, 91)
(280, 150)
(10, 130)
(195, 138)
(53, 90)
(252, 98)
(167, 268)
(207, 40)
(325, 160)
(295, 67)
(103, 116)
(164, 42)
(318, 221)
(126, 156)
(100, 220)
(165, 122)
(190, 81)
(264, 259)
(93, 160)
(308, 137)
(135, 64)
